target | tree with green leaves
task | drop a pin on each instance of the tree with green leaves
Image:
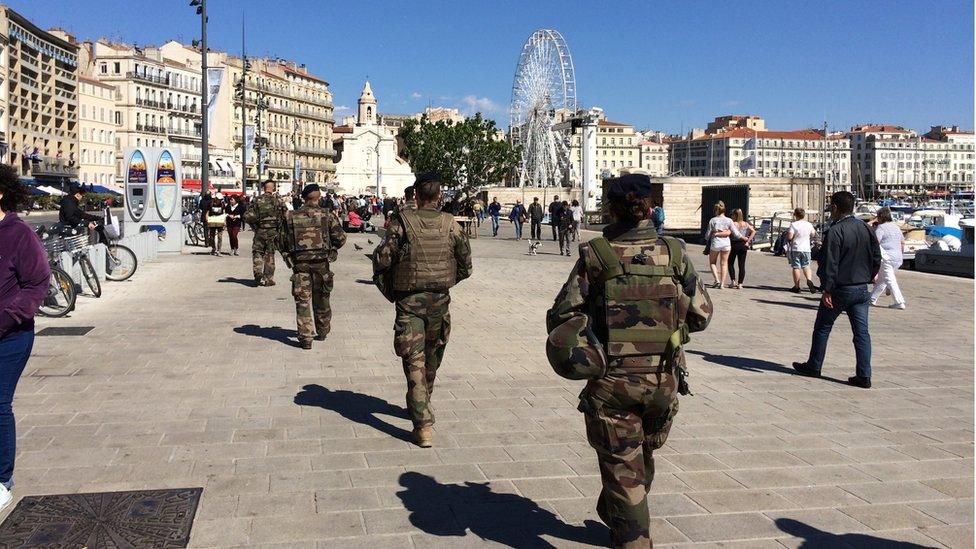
(466, 155)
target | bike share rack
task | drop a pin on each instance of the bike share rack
(144, 245)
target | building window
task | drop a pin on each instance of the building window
(104, 68)
(117, 67)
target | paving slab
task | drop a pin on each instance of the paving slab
(190, 379)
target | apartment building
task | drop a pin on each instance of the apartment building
(654, 157)
(732, 148)
(96, 132)
(888, 159)
(617, 145)
(40, 116)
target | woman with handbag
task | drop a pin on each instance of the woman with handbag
(235, 216)
(740, 247)
(718, 245)
(215, 220)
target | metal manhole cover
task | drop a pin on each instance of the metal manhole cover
(141, 518)
(65, 330)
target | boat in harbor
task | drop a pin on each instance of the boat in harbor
(935, 259)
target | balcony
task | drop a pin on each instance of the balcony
(47, 166)
(316, 151)
(191, 133)
(150, 129)
(191, 157)
(150, 104)
(158, 80)
(183, 110)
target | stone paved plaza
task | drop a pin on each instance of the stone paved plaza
(191, 377)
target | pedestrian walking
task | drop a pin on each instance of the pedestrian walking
(577, 220)
(310, 240)
(479, 212)
(892, 243)
(657, 216)
(554, 208)
(418, 279)
(535, 218)
(617, 323)
(851, 259)
(216, 219)
(800, 237)
(264, 215)
(740, 247)
(517, 216)
(494, 210)
(235, 220)
(203, 206)
(25, 277)
(565, 224)
(719, 244)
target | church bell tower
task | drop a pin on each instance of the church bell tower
(367, 107)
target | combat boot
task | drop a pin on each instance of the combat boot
(306, 344)
(269, 282)
(320, 337)
(424, 436)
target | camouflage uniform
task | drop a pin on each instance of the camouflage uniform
(309, 252)
(423, 322)
(264, 214)
(629, 410)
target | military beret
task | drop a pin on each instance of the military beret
(620, 187)
(427, 176)
(309, 189)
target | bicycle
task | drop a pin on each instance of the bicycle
(80, 255)
(120, 260)
(61, 293)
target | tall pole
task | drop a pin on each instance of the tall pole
(244, 109)
(205, 93)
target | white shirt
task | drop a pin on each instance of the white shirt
(577, 213)
(802, 231)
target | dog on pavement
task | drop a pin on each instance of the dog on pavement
(534, 247)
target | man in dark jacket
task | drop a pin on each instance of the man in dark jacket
(70, 213)
(850, 261)
(554, 207)
(535, 217)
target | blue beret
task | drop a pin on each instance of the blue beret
(621, 187)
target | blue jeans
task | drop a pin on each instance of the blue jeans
(14, 352)
(855, 301)
(518, 229)
(494, 225)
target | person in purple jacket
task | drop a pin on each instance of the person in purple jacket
(24, 279)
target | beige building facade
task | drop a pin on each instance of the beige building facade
(888, 159)
(617, 146)
(40, 115)
(654, 158)
(96, 133)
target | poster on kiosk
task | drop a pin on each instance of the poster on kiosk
(153, 178)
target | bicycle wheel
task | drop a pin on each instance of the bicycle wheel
(199, 234)
(120, 262)
(60, 299)
(88, 271)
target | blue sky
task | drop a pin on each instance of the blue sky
(663, 65)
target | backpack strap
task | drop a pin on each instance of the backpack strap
(607, 258)
(675, 256)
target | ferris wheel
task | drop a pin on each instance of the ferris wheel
(545, 82)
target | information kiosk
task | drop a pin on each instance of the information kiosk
(153, 178)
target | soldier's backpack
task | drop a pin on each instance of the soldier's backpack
(264, 212)
(310, 235)
(428, 262)
(639, 307)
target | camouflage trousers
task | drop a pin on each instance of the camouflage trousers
(311, 285)
(628, 416)
(420, 334)
(263, 254)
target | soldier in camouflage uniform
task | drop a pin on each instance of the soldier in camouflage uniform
(264, 215)
(620, 321)
(310, 238)
(423, 254)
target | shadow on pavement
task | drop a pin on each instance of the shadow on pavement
(816, 538)
(509, 519)
(364, 281)
(250, 282)
(274, 333)
(362, 409)
(743, 363)
(787, 304)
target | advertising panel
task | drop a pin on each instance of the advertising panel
(167, 192)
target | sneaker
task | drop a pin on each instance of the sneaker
(235, 252)
(424, 436)
(716, 286)
(874, 303)
(5, 497)
(805, 369)
(858, 381)
(899, 306)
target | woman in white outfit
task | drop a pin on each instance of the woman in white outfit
(892, 241)
(720, 228)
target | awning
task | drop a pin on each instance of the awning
(103, 189)
(51, 190)
(195, 184)
(36, 191)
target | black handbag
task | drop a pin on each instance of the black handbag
(708, 247)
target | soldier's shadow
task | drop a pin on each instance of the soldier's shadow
(274, 333)
(362, 409)
(505, 518)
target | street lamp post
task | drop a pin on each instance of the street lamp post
(242, 96)
(201, 6)
(259, 108)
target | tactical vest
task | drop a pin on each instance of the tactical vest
(310, 234)
(428, 263)
(266, 211)
(640, 307)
